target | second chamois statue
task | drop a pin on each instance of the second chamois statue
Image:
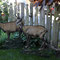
(38, 30)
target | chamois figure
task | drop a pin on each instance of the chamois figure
(10, 27)
(39, 31)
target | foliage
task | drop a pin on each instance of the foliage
(5, 11)
(23, 37)
(0, 0)
(4, 35)
(0, 19)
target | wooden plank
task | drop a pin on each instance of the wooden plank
(55, 30)
(49, 18)
(36, 17)
(15, 9)
(42, 17)
(31, 13)
(47, 22)
(10, 18)
(22, 10)
(27, 15)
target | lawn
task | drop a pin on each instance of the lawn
(15, 54)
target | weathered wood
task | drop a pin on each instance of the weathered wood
(36, 17)
(31, 14)
(22, 9)
(42, 17)
(10, 13)
(27, 15)
(47, 21)
(15, 9)
(49, 18)
(55, 30)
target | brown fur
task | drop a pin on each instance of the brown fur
(9, 27)
(35, 30)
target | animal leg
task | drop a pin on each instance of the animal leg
(28, 41)
(8, 35)
(19, 33)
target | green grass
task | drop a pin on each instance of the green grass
(15, 54)
(4, 36)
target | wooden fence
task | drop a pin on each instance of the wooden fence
(32, 16)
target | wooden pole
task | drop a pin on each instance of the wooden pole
(36, 17)
(47, 22)
(18, 11)
(42, 17)
(27, 15)
(55, 30)
(15, 9)
(31, 13)
(10, 13)
(49, 19)
(22, 11)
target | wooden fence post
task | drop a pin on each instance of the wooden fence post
(36, 16)
(22, 10)
(49, 19)
(55, 30)
(10, 13)
(31, 14)
(55, 34)
(27, 15)
(15, 9)
(42, 17)
(18, 10)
